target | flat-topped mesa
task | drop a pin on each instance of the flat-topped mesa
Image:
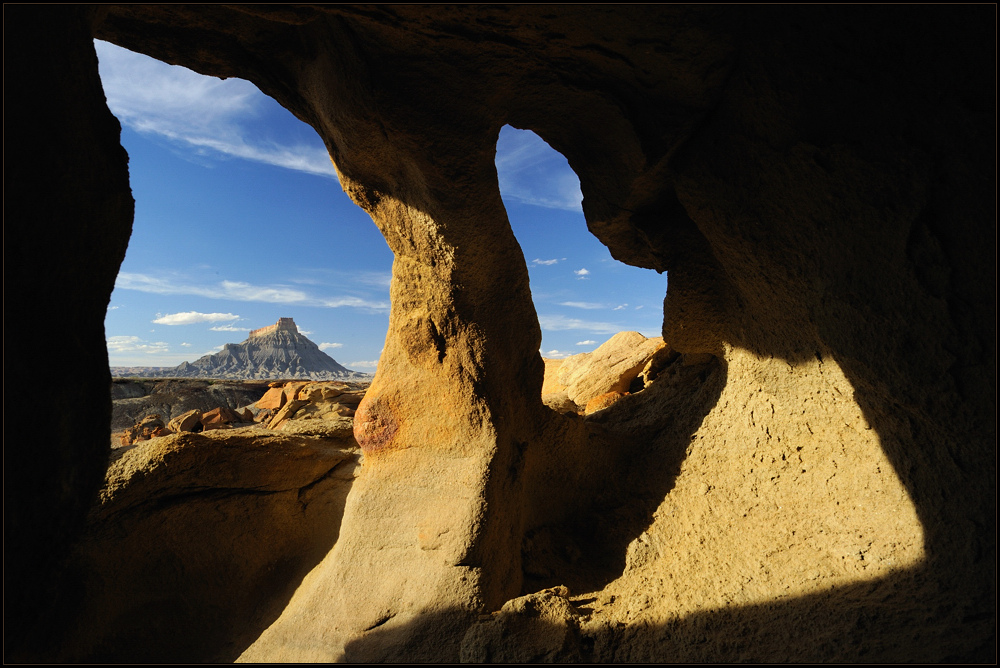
(287, 324)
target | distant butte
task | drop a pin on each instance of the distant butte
(275, 351)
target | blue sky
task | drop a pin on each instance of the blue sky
(240, 220)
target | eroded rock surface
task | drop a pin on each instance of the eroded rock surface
(198, 539)
(537, 628)
(811, 478)
(610, 368)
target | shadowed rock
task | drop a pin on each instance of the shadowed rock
(198, 540)
(812, 478)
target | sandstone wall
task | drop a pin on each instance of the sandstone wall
(814, 479)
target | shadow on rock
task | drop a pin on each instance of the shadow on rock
(198, 543)
(595, 489)
(889, 619)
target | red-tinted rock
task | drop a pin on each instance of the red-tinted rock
(602, 401)
(273, 398)
(186, 421)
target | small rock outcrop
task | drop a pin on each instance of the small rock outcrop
(186, 421)
(133, 399)
(627, 362)
(302, 407)
(537, 628)
(321, 408)
(610, 368)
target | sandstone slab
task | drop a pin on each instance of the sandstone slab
(186, 421)
(610, 368)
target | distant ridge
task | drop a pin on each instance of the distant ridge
(277, 351)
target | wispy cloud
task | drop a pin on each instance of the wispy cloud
(327, 277)
(240, 291)
(356, 302)
(532, 172)
(619, 307)
(581, 274)
(364, 363)
(261, 293)
(556, 354)
(329, 346)
(375, 279)
(544, 262)
(186, 345)
(584, 305)
(133, 344)
(193, 318)
(233, 290)
(588, 342)
(204, 115)
(557, 323)
(228, 328)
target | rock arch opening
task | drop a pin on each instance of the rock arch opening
(239, 221)
(582, 295)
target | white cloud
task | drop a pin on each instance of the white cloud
(328, 346)
(619, 307)
(556, 323)
(356, 302)
(240, 291)
(205, 115)
(192, 318)
(370, 363)
(186, 345)
(228, 328)
(584, 305)
(544, 262)
(588, 342)
(133, 344)
(637, 307)
(375, 279)
(557, 354)
(532, 172)
(581, 273)
(258, 293)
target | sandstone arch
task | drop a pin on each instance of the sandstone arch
(818, 182)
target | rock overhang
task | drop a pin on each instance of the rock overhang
(704, 146)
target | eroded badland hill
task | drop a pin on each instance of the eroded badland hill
(802, 469)
(275, 351)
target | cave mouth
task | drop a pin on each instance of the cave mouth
(239, 220)
(582, 295)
